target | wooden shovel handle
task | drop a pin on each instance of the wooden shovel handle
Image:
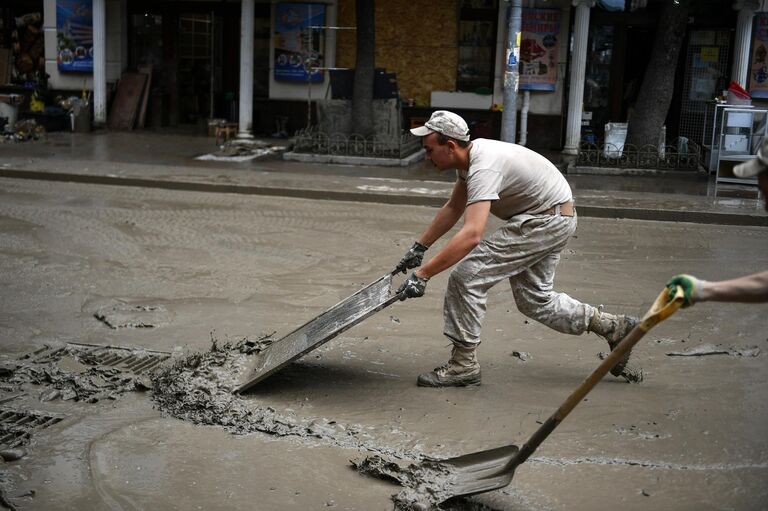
(661, 309)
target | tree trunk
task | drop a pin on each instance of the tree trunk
(362, 93)
(658, 83)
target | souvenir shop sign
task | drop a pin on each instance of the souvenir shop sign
(758, 66)
(299, 44)
(538, 49)
(74, 35)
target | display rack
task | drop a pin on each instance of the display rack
(713, 115)
(742, 129)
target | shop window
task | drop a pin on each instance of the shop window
(261, 61)
(597, 80)
(194, 74)
(477, 45)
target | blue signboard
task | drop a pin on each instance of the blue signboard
(74, 35)
(299, 42)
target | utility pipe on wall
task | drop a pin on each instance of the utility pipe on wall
(245, 123)
(524, 117)
(512, 72)
(99, 62)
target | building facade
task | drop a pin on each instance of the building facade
(265, 63)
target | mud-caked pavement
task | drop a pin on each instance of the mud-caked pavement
(126, 311)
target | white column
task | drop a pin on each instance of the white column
(743, 40)
(99, 62)
(246, 70)
(578, 68)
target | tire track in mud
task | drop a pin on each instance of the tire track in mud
(67, 227)
(208, 232)
(170, 215)
(697, 467)
(168, 222)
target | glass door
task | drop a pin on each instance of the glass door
(195, 70)
(597, 82)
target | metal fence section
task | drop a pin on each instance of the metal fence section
(312, 140)
(684, 154)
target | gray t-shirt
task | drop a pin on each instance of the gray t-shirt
(516, 179)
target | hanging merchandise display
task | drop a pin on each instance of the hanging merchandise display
(28, 45)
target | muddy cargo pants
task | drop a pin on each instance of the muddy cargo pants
(526, 251)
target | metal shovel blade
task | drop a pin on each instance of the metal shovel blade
(317, 331)
(493, 469)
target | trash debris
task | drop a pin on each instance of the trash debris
(521, 355)
(716, 349)
(23, 131)
(235, 151)
(13, 454)
(125, 315)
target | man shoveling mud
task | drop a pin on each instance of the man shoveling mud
(529, 193)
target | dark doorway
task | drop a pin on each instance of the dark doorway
(194, 49)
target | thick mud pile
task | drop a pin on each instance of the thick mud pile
(199, 388)
(427, 486)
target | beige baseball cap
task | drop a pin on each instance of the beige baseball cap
(448, 123)
(756, 165)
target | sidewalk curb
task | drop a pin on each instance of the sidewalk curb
(584, 210)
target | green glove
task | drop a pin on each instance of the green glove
(691, 288)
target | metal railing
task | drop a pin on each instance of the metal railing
(681, 155)
(313, 141)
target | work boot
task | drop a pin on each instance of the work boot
(461, 370)
(613, 328)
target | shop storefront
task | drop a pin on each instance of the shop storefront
(193, 50)
(456, 61)
(619, 48)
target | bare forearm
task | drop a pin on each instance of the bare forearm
(454, 251)
(445, 219)
(750, 289)
(461, 243)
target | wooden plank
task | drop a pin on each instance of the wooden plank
(126, 103)
(147, 70)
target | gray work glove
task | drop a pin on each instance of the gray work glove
(412, 258)
(414, 287)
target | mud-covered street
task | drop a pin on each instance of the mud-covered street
(158, 276)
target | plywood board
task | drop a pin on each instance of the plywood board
(125, 106)
(147, 70)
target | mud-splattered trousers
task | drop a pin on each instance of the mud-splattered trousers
(526, 251)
